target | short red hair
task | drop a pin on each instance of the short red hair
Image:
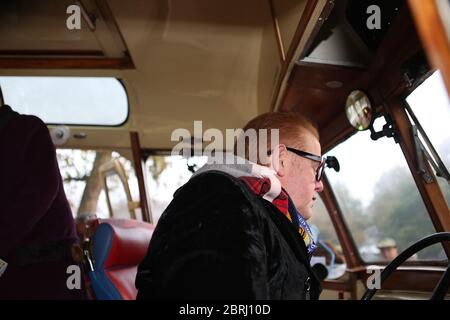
(293, 128)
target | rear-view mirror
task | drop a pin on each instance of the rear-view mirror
(358, 109)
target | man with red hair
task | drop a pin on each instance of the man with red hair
(238, 229)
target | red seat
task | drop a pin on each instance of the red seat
(118, 246)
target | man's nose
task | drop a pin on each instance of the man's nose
(319, 186)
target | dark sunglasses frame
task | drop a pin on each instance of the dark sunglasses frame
(310, 156)
(330, 161)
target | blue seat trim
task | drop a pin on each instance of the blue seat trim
(103, 287)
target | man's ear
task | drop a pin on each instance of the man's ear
(279, 159)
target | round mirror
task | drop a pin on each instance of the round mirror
(359, 110)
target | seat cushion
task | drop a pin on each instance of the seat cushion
(119, 245)
(123, 279)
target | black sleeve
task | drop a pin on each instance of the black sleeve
(211, 249)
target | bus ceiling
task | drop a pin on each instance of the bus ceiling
(220, 61)
(299, 55)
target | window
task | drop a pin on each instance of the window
(322, 221)
(431, 106)
(167, 174)
(80, 168)
(329, 249)
(84, 188)
(379, 199)
(68, 100)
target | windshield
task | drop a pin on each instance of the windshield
(431, 106)
(379, 199)
(329, 250)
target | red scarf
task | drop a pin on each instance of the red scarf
(260, 186)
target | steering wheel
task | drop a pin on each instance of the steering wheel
(441, 289)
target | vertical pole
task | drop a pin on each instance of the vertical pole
(433, 34)
(141, 176)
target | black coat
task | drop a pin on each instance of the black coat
(218, 240)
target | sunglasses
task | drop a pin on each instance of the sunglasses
(310, 156)
(330, 161)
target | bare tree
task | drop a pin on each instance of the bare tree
(91, 193)
(156, 166)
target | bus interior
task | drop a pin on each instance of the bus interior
(113, 79)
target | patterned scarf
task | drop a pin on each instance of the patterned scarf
(261, 186)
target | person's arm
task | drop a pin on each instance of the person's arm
(33, 186)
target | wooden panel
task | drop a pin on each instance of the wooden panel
(316, 75)
(346, 283)
(383, 78)
(288, 13)
(308, 94)
(326, 12)
(337, 286)
(386, 69)
(277, 31)
(433, 35)
(299, 32)
(38, 30)
(414, 279)
(313, 98)
(139, 168)
(50, 53)
(66, 63)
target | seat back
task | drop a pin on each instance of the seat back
(118, 246)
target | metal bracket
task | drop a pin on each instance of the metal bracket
(438, 166)
(89, 18)
(388, 131)
(420, 151)
(430, 154)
